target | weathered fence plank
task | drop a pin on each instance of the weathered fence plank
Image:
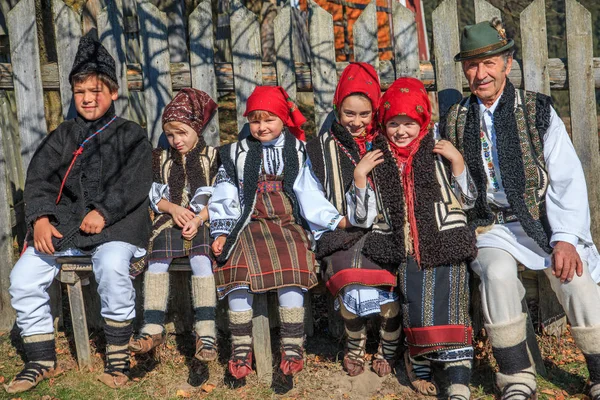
(406, 42)
(284, 48)
(67, 30)
(323, 72)
(534, 45)
(448, 73)
(246, 52)
(366, 48)
(7, 314)
(131, 29)
(110, 32)
(156, 66)
(484, 11)
(25, 57)
(261, 335)
(584, 122)
(202, 59)
(89, 15)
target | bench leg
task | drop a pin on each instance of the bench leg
(309, 326)
(532, 345)
(79, 322)
(261, 336)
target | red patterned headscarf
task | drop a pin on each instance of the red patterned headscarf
(275, 100)
(192, 107)
(359, 77)
(407, 96)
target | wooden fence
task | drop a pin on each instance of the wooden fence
(138, 38)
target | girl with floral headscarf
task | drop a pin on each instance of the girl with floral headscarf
(429, 240)
(342, 160)
(183, 178)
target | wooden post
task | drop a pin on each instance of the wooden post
(246, 51)
(323, 66)
(365, 28)
(448, 73)
(484, 11)
(25, 59)
(202, 62)
(89, 15)
(156, 66)
(535, 48)
(406, 42)
(7, 314)
(67, 31)
(284, 47)
(261, 337)
(584, 122)
(110, 32)
(132, 44)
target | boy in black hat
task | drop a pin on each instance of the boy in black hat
(86, 193)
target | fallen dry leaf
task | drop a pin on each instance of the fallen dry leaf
(1, 379)
(183, 393)
(208, 387)
(549, 392)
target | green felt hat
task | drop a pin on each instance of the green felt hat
(483, 39)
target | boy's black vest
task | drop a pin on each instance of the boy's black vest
(521, 120)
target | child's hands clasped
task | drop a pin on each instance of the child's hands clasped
(181, 215)
(365, 166)
(190, 229)
(43, 231)
(217, 246)
(92, 223)
(450, 153)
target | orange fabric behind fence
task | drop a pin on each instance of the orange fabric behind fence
(344, 45)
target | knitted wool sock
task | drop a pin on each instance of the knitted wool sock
(516, 375)
(389, 331)
(356, 335)
(204, 298)
(40, 349)
(459, 375)
(240, 325)
(292, 330)
(117, 338)
(156, 295)
(588, 340)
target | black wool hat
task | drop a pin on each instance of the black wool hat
(93, 57)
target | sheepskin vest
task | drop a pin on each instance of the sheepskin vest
(521, 120)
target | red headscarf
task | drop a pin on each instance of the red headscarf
(275, 100)
(192, 107)
(407, 96)
(359, 77)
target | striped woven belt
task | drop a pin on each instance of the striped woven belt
(503, 215)
(269, 186)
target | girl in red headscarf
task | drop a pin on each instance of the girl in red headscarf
(265, 195)
(183, 178)
(361, 284)
(423, 204)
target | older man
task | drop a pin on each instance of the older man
(531, 207)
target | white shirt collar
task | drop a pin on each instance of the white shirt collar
(275, 142)
(483, 108)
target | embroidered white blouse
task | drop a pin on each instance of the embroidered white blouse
(566, 200)
(319, 213)
(160, 191)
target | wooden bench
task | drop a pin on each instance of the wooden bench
(75, 270)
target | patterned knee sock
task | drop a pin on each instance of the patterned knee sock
(240, 325)
(516, 375)
(156, 295)
(292, 330)
(117, 338)
(588, 340)
(356, 334)
(40, 349)
(389, 331)
(204, 298)
(459, 375)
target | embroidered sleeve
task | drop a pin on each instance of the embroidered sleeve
(465, 189)
(224, 207)
(318, 212)
(201, 198)
(362, 207)
(158, 191)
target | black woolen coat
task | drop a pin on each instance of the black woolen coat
(113, 175)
